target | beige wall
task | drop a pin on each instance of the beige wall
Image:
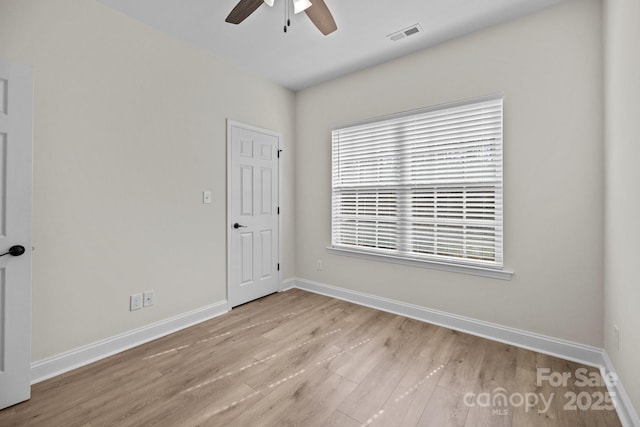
(549, 68)
(622, 131)
(129, 130)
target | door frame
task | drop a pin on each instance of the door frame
(229, 223)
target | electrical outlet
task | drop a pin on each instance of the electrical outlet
(616, 337)
(319, 265)
(135, 302)
(149, 298)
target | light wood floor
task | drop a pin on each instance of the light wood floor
(297, 358)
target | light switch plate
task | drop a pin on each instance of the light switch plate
(206, 197)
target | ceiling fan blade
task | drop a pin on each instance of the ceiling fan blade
(243, 9)
(321, 17)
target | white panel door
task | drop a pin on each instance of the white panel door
(253, 213)
(16, 115)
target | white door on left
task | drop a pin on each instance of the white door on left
(16, 118)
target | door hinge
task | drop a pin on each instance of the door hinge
(278, 210)
(278, 266)
(279, 151)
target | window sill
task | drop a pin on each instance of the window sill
(444, 266)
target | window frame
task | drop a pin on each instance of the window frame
(400, 254)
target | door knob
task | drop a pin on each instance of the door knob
(236, 226)
(16, 250)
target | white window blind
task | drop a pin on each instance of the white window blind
(425, 185)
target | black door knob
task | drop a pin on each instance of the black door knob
(16, 250)
(236, 226)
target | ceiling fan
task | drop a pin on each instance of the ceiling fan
(316, 10)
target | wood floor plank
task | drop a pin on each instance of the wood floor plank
(316, 402)
(361, 361)
(496, 378)
(400, 348)
(338, 419)
(297, 358)
(304, 358)
(308, 322)
(460, 374)
(544, 413)
(445, 409)
(289, 392)
(366, 324)
(318, 406)
(577, 402)
(405, 405)
(213, 408)
(440, 346)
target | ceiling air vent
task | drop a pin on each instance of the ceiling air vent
(403, 34)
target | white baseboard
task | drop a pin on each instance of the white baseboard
(626, 412)
(287, 285)
(587, 355)
(81, 356)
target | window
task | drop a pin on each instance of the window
(422, 186)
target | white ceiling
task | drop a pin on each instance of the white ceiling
(303, 56)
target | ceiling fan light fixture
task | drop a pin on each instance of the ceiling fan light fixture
(319, 14)
(300, 5)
